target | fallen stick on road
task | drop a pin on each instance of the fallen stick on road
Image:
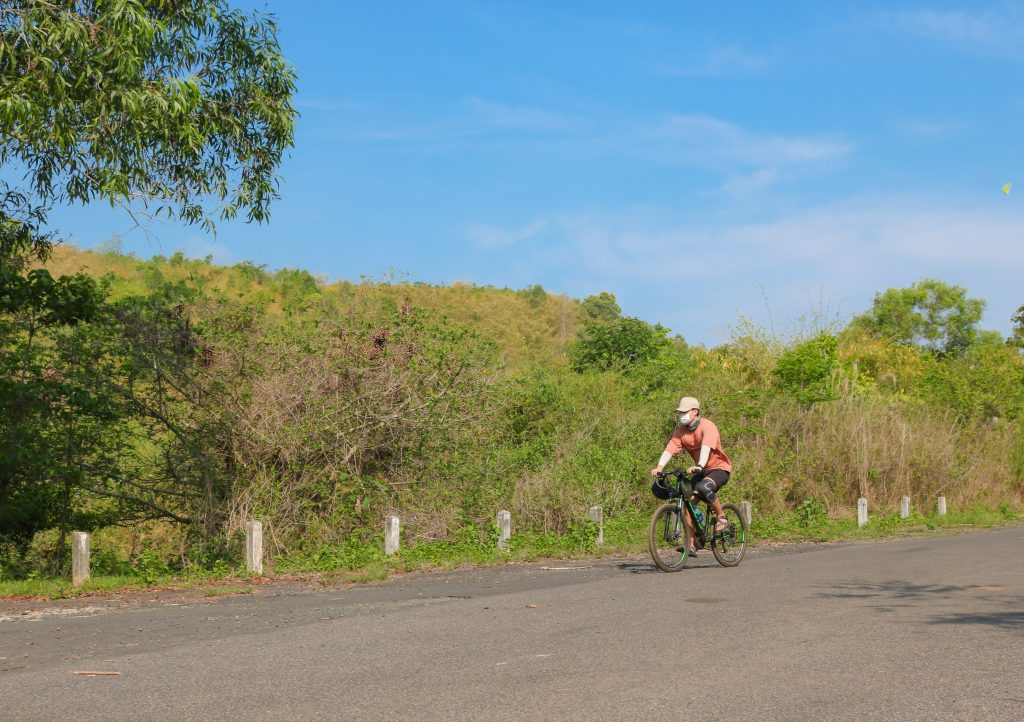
(97, 674)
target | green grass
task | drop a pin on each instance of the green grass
(62, 588)
(373, 573)
(59, 588)
(224, 591)
(803, 526)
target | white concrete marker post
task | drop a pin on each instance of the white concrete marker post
(79, 558)
(942, 506)
(392, 534)
(745, 511)
(596, 515)
(254, 546)
(862, 511)
(504, 529)
(904, 507)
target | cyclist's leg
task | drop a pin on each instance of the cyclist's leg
(707, 486)
(688, 520)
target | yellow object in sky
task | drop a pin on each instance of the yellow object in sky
(1006, 188)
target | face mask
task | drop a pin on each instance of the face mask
(686, 418)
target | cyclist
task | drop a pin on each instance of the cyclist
(700, 437)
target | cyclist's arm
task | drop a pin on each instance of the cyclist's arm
(665, 457)
(673, 447)
(702, 460)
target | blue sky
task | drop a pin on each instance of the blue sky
(701, 161)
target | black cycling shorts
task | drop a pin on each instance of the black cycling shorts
(710, 481)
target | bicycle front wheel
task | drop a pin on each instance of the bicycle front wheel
(669, 538)
(730, 545)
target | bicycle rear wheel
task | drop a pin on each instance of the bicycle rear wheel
(669, 538)
(730, 545)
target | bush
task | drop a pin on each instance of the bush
(618, 344)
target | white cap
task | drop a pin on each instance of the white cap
(688, 402)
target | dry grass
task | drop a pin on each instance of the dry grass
(883, 449)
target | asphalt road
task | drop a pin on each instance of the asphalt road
(908, 629)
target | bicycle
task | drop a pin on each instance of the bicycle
(670, 538)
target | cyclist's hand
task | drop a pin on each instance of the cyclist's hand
(655, 472)
(693, 470)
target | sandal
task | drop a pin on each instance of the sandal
(722, 524)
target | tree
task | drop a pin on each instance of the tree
(181, 108)
(931, 314)
(1017, 339)
(807, 370)
(986, 381)
(601, 308)
(617, 344)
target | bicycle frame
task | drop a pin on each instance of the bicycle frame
(700, 527)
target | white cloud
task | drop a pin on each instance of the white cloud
(747, 184)
(845, 252)
(718, 62)
(926, 131)
(200, 247)
(491, 237)
(749, 161)
(486, 120)
(326, 104)
(988, 32)
(517, 117)
(733, 150)
(641, 29)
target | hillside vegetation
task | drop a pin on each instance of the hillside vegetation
(199, 396)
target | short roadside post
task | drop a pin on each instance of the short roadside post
(596, 515)
(391, 534)
(942, 506)
(745, 511)
(79, 558)
(862, 512)
(904, 507)
(504, 529)
(254, 546)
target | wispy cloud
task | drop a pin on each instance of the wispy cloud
(746, 184)
(926, 131)
(748, 160)
(326, 104)
(641, 29)
(849, 250)
(702, 136)
(716, 62)
(477, 119)
(990, 32)
(517, 117)
(491, 237)
(200, 247)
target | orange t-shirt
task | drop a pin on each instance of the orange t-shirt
(706, 434)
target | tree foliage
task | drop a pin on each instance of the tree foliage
(182, 107)
(600, 308)
(807, 370)
(617, 344)
(937, 316)
(1017, 339)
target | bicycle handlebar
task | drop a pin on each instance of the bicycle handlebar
(678, 473)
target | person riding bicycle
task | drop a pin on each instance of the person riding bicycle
(700, 437)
